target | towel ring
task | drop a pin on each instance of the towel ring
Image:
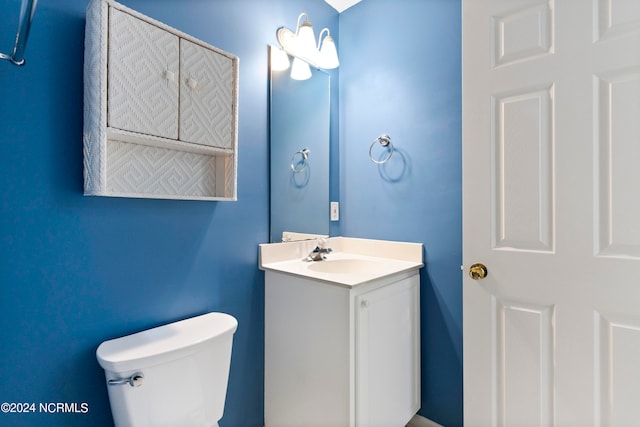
(299, 166)
(385, 141)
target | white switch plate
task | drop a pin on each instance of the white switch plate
(335, 211)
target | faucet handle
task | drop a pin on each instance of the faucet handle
(319, 250)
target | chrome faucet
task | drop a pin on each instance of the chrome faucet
(319, 253)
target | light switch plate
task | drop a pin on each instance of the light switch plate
(335, 211)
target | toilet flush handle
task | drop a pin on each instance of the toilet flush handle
(134, 380)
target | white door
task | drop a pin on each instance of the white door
(551, 154)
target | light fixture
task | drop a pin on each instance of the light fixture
(302, 44)
(300, 70)
(328, 53)
(305, 39)
(279, 59)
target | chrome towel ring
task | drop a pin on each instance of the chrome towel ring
(298, 166)
(385, 141)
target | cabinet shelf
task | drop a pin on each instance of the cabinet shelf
(159, 142)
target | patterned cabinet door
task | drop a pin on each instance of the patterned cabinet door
(143, 77)
(206, 96)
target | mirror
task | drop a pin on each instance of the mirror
(299, 154)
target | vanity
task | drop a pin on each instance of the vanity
(342, 344)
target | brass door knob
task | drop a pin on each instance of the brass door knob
(478, 271)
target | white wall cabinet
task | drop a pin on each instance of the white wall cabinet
(160, 110)
(338, 356)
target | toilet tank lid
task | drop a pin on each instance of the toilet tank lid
(163, 343)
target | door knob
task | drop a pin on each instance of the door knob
(478, 271)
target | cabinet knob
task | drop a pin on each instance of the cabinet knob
(169, 75)
(192, 83)
(364, 303)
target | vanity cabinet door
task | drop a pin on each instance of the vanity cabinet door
(206, 96)
(143, 76)
(388, 354)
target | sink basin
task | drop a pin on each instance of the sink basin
(346, 266)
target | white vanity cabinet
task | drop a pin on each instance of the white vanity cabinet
(160, 110)
(339, 355)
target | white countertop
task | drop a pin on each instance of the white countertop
(351, 262)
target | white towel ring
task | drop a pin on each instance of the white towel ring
(385, 141)
(299, 166)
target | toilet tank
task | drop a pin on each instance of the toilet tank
(185, 369)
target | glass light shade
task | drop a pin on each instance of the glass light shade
(279, 59)
(300, 70)
(328, 54)
(306, 40)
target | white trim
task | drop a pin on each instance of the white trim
(420, 421)
(342, 5)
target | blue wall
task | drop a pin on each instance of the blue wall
(77, 270)
(400, 74)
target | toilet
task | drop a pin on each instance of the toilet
(171, 375)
